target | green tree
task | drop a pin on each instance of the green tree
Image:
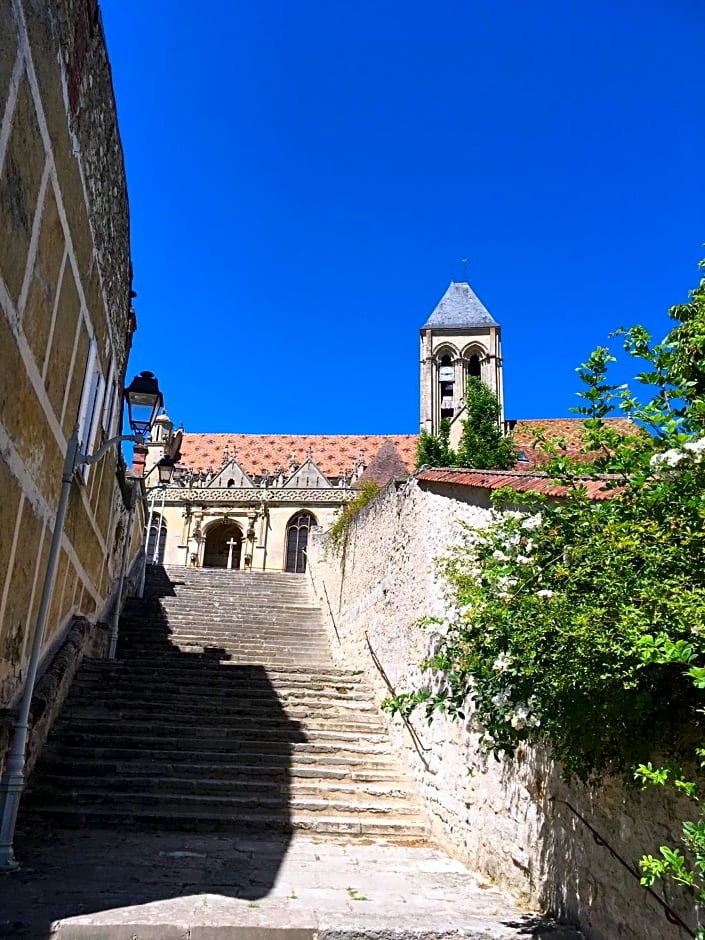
(435, 450)
(580, 623)
(483, 446)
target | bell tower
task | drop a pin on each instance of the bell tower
(459, 339)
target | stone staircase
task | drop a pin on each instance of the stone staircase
(223, 712)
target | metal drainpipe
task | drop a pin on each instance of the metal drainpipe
(117, 609)
(155, 556)
(143, 575)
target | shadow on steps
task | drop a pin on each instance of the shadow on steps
(168, 772)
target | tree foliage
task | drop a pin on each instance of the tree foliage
(581, 624)
(482, 446)
(434, 450)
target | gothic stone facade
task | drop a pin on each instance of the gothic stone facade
(250, 501)
(65, 315)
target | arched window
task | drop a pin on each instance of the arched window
(297, 540)
(474, 366)
(156, 540)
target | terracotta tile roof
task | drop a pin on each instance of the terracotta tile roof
(256, 452)
(569, 429)
(522, 481)
(335, 452)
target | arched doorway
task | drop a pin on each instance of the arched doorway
(156, 539)
(296, 541)
(223, 546)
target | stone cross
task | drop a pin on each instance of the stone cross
(231, 545)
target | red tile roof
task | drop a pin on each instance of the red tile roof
(569, 429)
(256, 452)
(521, 481)
(336, 452)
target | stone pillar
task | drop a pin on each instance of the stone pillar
(426, 390)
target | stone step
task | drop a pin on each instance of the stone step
(245, 761)
(224, 712)
(220, 687)
(203, 699)
(365, 772)
(318, 709)
(264, 613)
(302, 673)
(156, 734)
(180, 718)
(196, 685)
(360, 825)
(168, 801)
(328, 790)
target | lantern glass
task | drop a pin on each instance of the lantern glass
(143, 402)
(165, 469)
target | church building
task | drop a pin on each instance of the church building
(250, 500)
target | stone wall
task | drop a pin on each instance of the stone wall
(64, 291)
(65, 319)
(501, 818)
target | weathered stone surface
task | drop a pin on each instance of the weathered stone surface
(8, 51)
(19, 188)
(67, 313)
(44, 278)
(499, 817)
(118, 886)
(65, 265)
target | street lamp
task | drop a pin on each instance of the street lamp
(143, 400)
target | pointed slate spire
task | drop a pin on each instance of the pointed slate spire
(459, 308)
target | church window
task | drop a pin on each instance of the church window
(297, 540)
(231, 483)
(474, 366)
(156, 540)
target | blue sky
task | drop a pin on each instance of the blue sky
(305, 178)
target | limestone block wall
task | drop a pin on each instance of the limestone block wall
(504, 819)
(65, 316)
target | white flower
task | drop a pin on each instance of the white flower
(499, 556)
(522, 717)
(544, 592)
(532, 522)
(696, 447)
(523, 560)
(502, 663)
(502, 698)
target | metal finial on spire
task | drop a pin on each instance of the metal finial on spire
(464, 262)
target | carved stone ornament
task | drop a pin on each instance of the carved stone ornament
(333, 495)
